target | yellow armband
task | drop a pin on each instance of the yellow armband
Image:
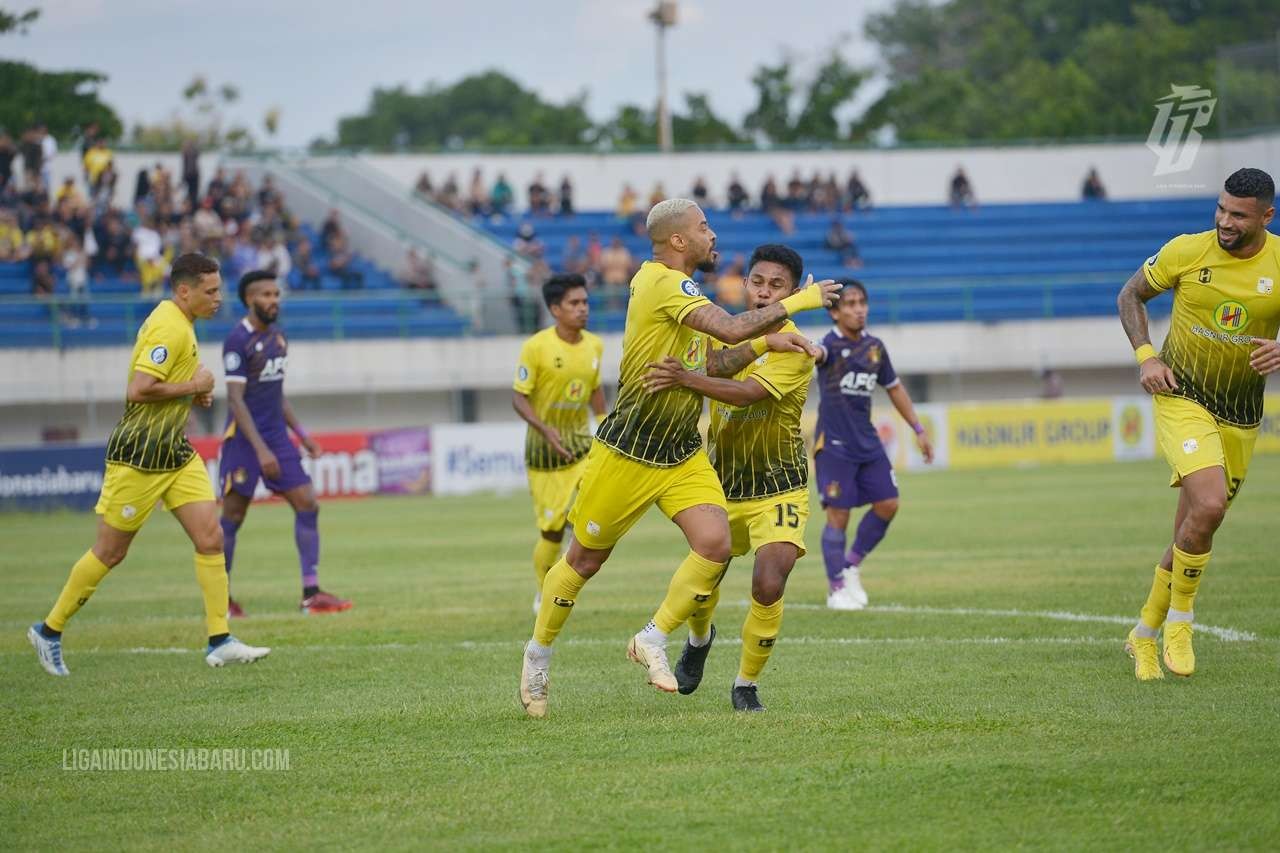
(1144, 352)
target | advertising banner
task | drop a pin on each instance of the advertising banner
(51, 477)
(469, 458)
(1000, 434)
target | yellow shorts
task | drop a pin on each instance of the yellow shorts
(616, 491)
(780, 518)
(129, 495)
(1192, 439)
(553, 494)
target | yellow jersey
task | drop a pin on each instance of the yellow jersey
(757, 450)
(153, 436)
(558, 378)
(659, 429)
(1219, 303)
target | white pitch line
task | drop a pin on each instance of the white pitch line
(1229, 635)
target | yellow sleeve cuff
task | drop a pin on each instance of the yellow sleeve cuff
(759, 345)
(1144, 352)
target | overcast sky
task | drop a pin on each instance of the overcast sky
(320, 60)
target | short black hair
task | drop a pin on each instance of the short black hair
(1251, 183)
(848, 284)
(251, 278)
(779, 254)
(190, 268)
(558, 285)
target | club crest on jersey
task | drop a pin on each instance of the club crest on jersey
(159, 354)
(692, 357)
(833, 489)
(689, 288)
(873, 354)
(576, 390)
(231, 360)
(239, 476)
(1230, 316)
(1265, 286)
(1206, 275)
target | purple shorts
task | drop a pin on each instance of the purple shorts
(238, 467)
(845, 484)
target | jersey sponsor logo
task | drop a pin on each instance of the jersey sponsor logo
(231, 360)
(575, 391)
(522, 373)
(273, 369)
(159, 354)
(1230, 316)
(858, 384)
(689, 288)
(1265, 286)
(1206, 275)
(692, 357)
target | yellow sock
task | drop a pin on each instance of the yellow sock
(700, 621)
(545, 554)
(1153, 612)
(691, 587)
(560, 590)
(85, 576)
(759, 632)
(211, 574)
(1187, 571)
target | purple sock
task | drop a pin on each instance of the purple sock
(833, 554)
(229, 529)
(306, 533)
(870, 531)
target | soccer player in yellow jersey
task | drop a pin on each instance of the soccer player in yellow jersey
(1207, 381)
(758, 453)
(558, 377)
(648, 450)
(149, 459)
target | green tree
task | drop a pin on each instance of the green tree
(203, 120)
(771, 116)
(834, 84)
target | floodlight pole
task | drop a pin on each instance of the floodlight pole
(664, 17)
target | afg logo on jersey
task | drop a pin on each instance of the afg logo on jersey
(858, 384)
(159, 354)
(689, 288)
(273, 369)
(575, 391)
(692, 357)
(1230, 316)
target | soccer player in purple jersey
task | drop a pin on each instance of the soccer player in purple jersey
(852, 466)
(256, 443)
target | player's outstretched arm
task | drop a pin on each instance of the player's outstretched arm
(736, 328)
(670, 373)
(1154, 374)
(902, 402)
(524, 409)
(145, 388)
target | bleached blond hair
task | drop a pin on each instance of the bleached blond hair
(666, 217)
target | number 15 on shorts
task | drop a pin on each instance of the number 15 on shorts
(788, 515)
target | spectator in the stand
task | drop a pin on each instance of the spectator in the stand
(840, 240)
(44, 241)
(566, 196)
(699, 193)
(477, 195)
(115, 249)
(149, 255)
(627, 201)
(960, 193)
(773, 204)
(615, 271)
(69, 192)
(423, 186)
(208, 226)
(595, 250)
(31, 145)
(96, 161)
(304, 261)
(857, 196)
(502, 195)
(539, 197)
(574, 260)
(420, 275)
(658, 194)
(1052, 387)
(341, 262)
(527, 242)
(1093, 190)
(48, 152)
(142, 187)
(737, 194)
(450, 195)
(8, 153)
(730, 293)
(13, 243)
(191, 169)
(797, 193)
(831, 194)
(332, 226)
(273, 256)
(75, 260)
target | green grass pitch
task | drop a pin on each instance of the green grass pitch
(966, 709)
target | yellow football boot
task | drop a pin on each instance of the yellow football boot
(1179, 657)
(1146, 658)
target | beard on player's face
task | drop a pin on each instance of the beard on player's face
(266, 315)
(709, 263)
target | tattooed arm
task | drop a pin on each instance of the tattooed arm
(1154, 374)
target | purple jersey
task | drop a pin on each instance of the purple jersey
(258, 360)
(847, 378)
